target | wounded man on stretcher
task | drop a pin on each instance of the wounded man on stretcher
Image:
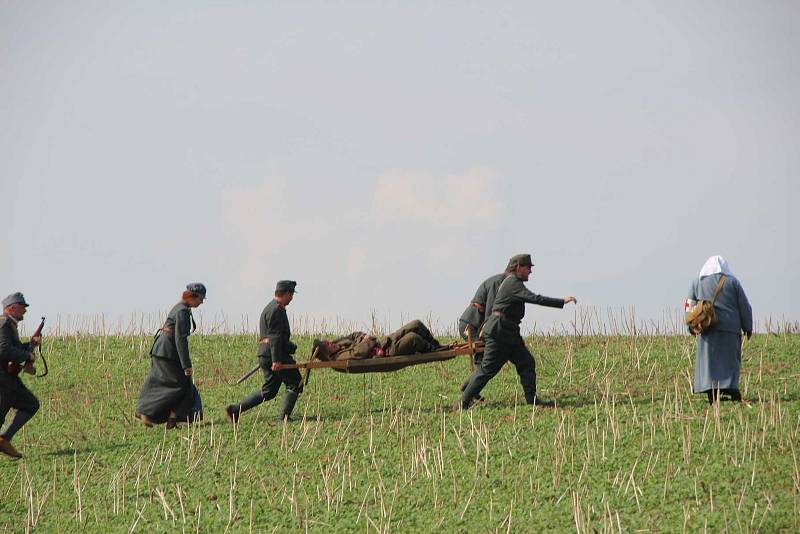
(412, 338)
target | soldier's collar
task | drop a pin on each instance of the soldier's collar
(13, 321)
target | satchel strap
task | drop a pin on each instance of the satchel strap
(719, 287)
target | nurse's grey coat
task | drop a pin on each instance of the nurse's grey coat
(719, 355)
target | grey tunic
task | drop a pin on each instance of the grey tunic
(13, 393)
(11, 348)
(273, 325)
(719, 349)
(172, 341)
(484, 295)
(512, 295)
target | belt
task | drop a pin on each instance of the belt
(499, 314)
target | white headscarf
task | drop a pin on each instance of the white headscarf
(714, 265)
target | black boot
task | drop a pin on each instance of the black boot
(20, 418)
(464, 386)
(735, 394)
(541, 402)
(460, 405)
(233, 412)
(289, 400)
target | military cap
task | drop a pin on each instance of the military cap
(286, 285)
(519, 259)
(197, 288)
(14, 298)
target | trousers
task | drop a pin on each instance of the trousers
(496, 354)
(14, 394)
(291, 378)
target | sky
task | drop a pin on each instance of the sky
(390, 156)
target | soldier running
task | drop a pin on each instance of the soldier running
(14, 354)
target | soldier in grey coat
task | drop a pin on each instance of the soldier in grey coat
(501, 332)
(13, 393)
(719, 349)
(474, 316)
(168, 394)
(471, 321)
(274, 348)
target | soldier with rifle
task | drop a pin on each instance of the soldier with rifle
(15, 356)
(274, 348)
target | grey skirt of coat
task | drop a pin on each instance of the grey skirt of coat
(719, 360)
(167, 389)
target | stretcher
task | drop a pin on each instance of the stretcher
(382, 364)
(385, 364)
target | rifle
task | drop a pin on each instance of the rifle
(249, 373)
(255, 369)
(14, 368)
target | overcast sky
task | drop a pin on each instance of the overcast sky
(390, 156)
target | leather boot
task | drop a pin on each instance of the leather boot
(233, 412)
(144, 419)
(289, 400)
(7, 448)
(541, 402)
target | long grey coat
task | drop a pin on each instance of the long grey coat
(167, 389)
(719, 349)
(173, 344)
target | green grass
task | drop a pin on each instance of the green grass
(630, 447)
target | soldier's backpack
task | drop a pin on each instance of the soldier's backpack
(701, 316)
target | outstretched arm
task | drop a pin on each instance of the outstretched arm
(524, 294)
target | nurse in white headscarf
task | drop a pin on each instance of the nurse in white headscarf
(719, 349)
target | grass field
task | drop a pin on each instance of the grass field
(629, 449)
